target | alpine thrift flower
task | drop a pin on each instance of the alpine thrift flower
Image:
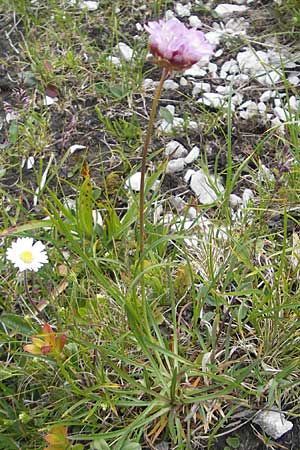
(46, 342)
(57, 438)
(175, 46)
(26, 255)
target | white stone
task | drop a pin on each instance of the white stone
(214, 37)
(175, 149)
(134, 182)
(183, 10)
(212, 99)
(11, 116)
(193, 155)
(276, 123)
(261, 107)
(240, 79)
(200, 87)
(97, 217)
(237, 99)
(30, 162)
(195, 71)
(247, 196)
(212, 68)
(206, 188)
(188, 175)
(273, 423)
(195, 22)
(230, 66)
(124, 51)
(75, 147)
(226, 9)
(171, 85)
(293, 103)
(251, 109)
(294, 79)
(252, 63)
(237, 26)
(175, 165)
(169, 14)
(48, 101)
(223, 89)
(234, 200)
(192, 213)
(266, 96)
(183, 82)
(148, 83)
(114, 60)
(219, 53)
(281, 113)
(277, 102)
(90, 5)
(269, 78)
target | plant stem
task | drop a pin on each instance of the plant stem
(164, 74)
(38, 312)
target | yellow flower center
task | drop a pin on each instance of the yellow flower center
(26, 256)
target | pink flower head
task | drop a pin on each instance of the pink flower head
(175, 46)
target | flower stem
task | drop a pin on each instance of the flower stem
(38, 312)
(164, 74)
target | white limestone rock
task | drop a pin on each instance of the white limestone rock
(281, 113)
(266, 96)
(193, 155)
(124, 51)
(30, 162)
(195, 71)
(175, 149)
(235, 201)
(90, 5)
(195, 22)
(134, 182)
(207, 188)
(247, 196)
(273, 423)
(226, 9)
(171, 85)
(212, 99)
(294, 79)
(200, 87)
(183, 10)
(175, 165)
(114, 60)
(188, 175)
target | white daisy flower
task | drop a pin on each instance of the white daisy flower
(26, 255)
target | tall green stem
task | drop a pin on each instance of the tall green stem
(164, 75)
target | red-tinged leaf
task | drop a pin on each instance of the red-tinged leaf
(48, 66)
(51, 91)
(46, 349)
(62, 339)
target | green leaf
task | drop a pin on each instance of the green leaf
(164, 113)
(100, 444)
(85, 203)
(131, 446)
(13, 132)
(16, 323)
(233, 441)
(28, 226)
